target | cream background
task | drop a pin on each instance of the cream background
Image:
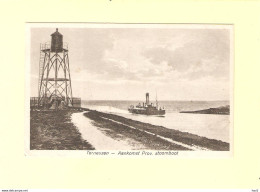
(241, 171)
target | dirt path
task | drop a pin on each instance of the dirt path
(98, 138)
(152, 136)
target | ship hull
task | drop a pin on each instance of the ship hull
(147, 112)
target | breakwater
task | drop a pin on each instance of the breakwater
(54, 130)
(152, 136)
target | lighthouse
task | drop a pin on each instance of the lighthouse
(54, 87)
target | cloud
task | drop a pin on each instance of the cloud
(89, 49)
(180, 63)
(141, 54)
(207, 53)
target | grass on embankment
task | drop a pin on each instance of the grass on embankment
(112, 129)
(152, 141)
(53, 130)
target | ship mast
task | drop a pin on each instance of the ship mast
(156, 101)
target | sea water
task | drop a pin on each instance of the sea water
(206, 125)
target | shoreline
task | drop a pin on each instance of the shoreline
(115, 124)
(224, 110)
(54, 130)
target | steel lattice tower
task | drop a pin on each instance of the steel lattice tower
(55, 89)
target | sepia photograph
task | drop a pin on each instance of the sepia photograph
(159, 87)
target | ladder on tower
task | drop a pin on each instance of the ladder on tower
(41, 65)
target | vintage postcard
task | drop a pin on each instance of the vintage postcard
(129, 89)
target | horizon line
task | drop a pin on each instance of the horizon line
(150, 99)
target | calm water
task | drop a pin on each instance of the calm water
(207, 125)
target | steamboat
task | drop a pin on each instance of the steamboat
(147, 108)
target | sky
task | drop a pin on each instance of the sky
(125, 63)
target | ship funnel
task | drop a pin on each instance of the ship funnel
(147, 98)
